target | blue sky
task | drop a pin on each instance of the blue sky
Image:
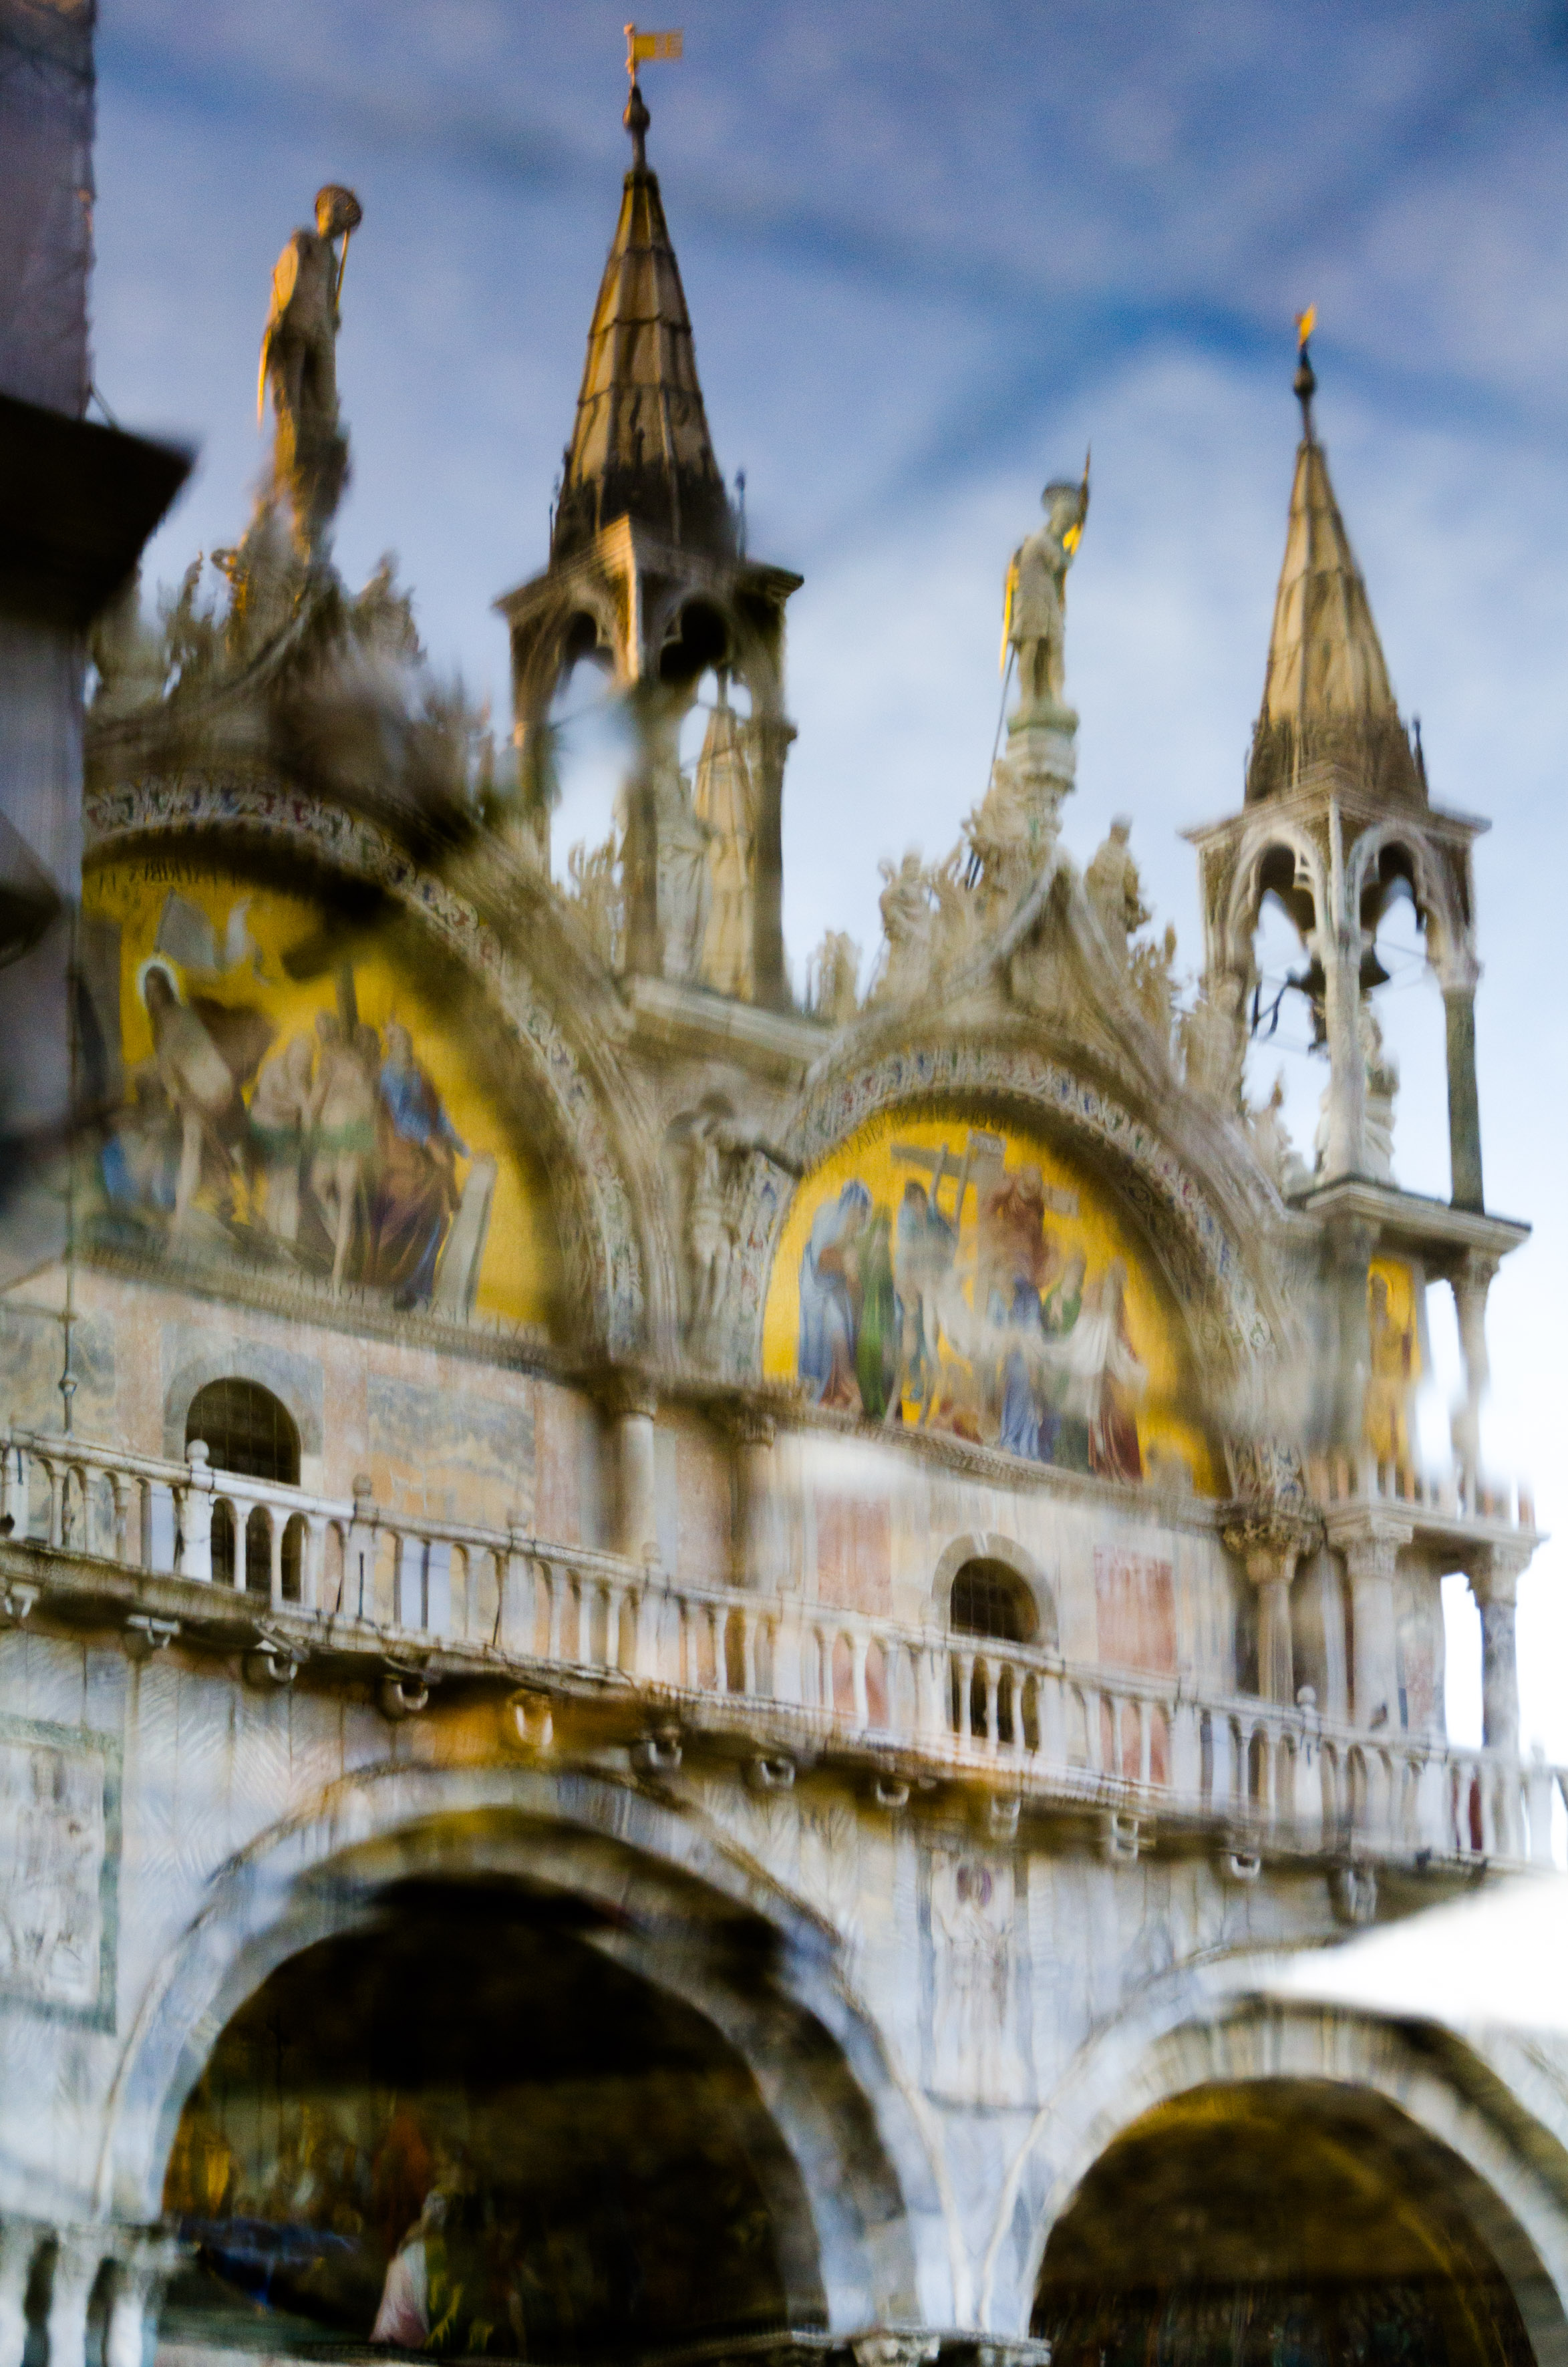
(929, 254)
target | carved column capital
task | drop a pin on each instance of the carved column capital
(625, 1392)
(1270, 1539)
(1494, 1571)
(1368, 1540)
(746, 1422)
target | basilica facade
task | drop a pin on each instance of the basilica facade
(679, 1666)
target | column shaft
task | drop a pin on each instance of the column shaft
(1464, 1106)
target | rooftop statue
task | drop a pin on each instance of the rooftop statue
(1036, 598)
(298, 362)
(1115, 889)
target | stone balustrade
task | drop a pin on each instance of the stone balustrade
(1448, 1497)
(76, 2277)
(415, 1601)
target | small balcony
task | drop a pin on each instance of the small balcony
(353, 1594)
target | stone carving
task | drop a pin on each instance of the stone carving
(723, 800)
(299, 364)
(685, 882)
(1213, 1041)
(1115, 889)
(1152, 974)
(54, 1840)
(1037, 600)
(709, 1232)
(594, 887)
(974, 2038)
(130, 657)
(1276, 1154)
(909, 927)
(832, 979)
(1380, 1075)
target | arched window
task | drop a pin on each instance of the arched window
(246, 1430)
(989, 1598)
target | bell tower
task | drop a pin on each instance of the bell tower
(649, 574)
(1337, 821)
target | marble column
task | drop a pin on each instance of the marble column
(1470, 1280)
(1494, 1583)
(1345, 1150)
(633, 1403)
(1370, 1546)
(1464, 1106)
(77, 2261)
(19, 2245)
(755, 1528)
(1352, 1243)
(1268, 1544)
(769, 745)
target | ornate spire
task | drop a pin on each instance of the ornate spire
(640, 445)
(1326, 695)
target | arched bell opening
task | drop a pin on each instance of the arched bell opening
(463, 2127)
(1282, 2219)
(1286, 1065)
(1408, 938)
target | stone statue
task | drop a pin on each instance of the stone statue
(1037, 599)
(1213, 1041)
(1276, 1154)
(723, 800)
(685, 883)
(1115, 889)
(909, 927)
(1008, 841)
(1152, 974)
(298, 362)
(708, 1233)
(130, 658)
(831, 978)
(1380, 1084)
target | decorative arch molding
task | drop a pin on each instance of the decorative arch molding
(294, 1380)
(608, 1178)
(1187, 2038)
(1449, 934)
(1246, 899)
(1200, 1254)
(877, 2225)
(986, 1544)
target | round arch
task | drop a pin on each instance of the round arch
(671, 1906)
(1247, 888)
(598, 1149)
(986, 1544)
(1136, 2067)
(1191, 1233)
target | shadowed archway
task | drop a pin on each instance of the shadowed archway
(1277, 2221)
(463, 2127)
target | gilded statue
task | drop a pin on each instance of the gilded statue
(298, 362)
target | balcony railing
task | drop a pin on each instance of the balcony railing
(352, 1581)
(1446, 1498)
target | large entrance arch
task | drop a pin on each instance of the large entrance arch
(1277, 2220)
(523, 1869)
(464, 2126)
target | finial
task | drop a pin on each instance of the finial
(641, 46)
(637, 119)
(1305, 382)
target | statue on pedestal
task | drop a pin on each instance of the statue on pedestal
(298, 362)
(1036, 602)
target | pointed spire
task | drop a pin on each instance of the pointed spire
(640, 445)
(1326, 695)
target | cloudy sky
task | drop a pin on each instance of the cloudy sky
(929, 254)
